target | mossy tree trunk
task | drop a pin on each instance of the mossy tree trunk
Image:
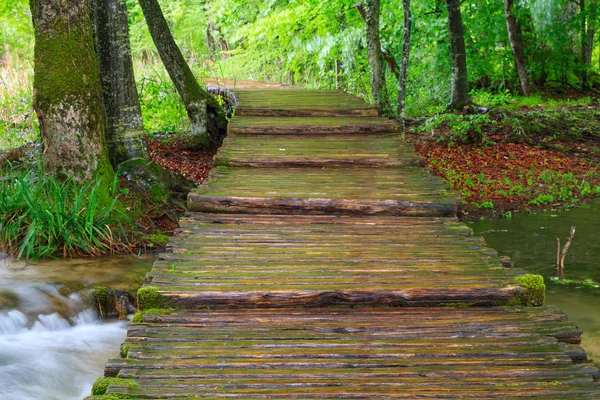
(207, 117)
(403, 76)
(515, 37)
(67, 93)
(460, 84)
(370, 12)
(589, 22)
(124, 126)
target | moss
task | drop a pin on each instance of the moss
(459, 305)
(149, 297)
(155, 239)
(535, 290)
(140, 316)
(103, 300)
(102, 384)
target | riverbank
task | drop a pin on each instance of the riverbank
(516, 160)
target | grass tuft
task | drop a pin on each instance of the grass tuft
(41, 216)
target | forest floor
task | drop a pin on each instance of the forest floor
(516, 160)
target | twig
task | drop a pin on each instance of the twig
(563, 254)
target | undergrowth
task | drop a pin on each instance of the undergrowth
(41, 216)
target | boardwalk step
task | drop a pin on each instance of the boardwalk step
(239, 260)
(382, 150)
(311, 126)
(339, 353)
(359, 191)
(301, 103)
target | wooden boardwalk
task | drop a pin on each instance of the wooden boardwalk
(322, 261)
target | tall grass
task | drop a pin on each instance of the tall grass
(41, 216)
(18, 124)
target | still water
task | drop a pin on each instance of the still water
(52, 345)
(530, 240)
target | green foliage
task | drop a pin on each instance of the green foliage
(459, 128)
(101, 385)
(162, 108)
(41, 216)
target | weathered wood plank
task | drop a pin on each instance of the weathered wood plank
(310, 126)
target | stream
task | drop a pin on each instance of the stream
(530, 240)
(52, 344)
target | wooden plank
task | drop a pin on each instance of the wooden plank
(310, 126)
(322, 151)
(356, 191)
(300, 102)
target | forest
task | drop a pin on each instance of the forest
(501, 97)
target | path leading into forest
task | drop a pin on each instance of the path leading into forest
(321, 261)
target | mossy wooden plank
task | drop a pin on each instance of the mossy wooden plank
(299, 102)
(290, 151)
(310, 126)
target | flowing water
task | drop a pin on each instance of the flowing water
(52, 345)
(530, 240)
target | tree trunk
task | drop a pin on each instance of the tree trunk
(404, 66)
(460, 84)
(207, 118)
(589, 15)
(515, 36)
(370, 13)
(67, 92)
(124, 127)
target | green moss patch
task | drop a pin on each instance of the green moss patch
(149, 298)
(102, 384)
(535, 290)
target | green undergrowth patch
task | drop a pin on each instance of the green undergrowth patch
(42, 216)
(535, 290)
(101, 385)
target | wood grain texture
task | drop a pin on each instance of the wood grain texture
(354, 353)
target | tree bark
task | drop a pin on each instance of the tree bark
(67, 91)
(370, 13)
(515, 37)
(207, 118)
(124, 125)
(404, 66)
(460, 84)
(589, 16)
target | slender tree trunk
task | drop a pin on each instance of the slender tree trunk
(589, 16)
(207, 118)
(370, 13)
(67, 92)
(515, 36)
(460, 84)
(124, 127)
(406, 31)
